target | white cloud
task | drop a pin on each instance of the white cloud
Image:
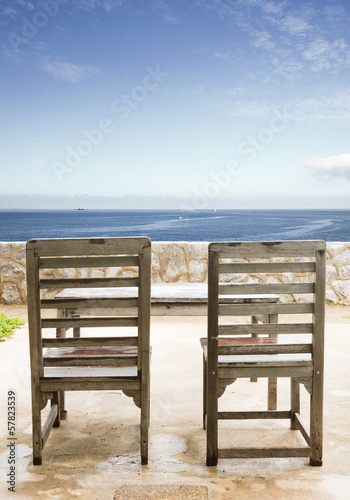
(108, 5)
(7, 11)
(294, 25)
(67, 71)
(332, 166)
(165, 11)
(325, 55)
(335, 13)
(263, 40)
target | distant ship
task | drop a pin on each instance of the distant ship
(180, 217)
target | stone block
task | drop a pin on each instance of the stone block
(344, 271)
(198, 270)
(197, 250)
(343, 257)
(343, 286)
(9, 271)
(4, 249)
(331, 272)
(10, 294)
(331, 296)
(175, 265)
(19, 255)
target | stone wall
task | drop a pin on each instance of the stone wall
(171, 262)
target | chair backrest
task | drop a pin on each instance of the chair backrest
(72, 257)
(242, 268)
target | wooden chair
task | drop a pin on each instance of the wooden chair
(230, 352)
(113, 362)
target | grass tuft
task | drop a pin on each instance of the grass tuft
(8, 326)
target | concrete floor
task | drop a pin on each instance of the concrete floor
(96, 451)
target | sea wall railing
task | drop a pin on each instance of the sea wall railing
(171, 262)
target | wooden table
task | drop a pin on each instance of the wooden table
(170, 299)
(167, 299)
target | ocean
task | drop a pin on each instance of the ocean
(175, 225)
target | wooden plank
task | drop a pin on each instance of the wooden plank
(252, 415)
(91, 361)
(266, 328)
(212, 362)
(88, 322)
(90, 303)
(88, 246)
(270, 371)
(266, 349)
(265, 249)
(90, 341)
(255, 309)
(278, 288)
(144, 314)
(90, 383)
(88, 282)
(79, 262)
(316, 410)
(36, 363)
(265, 360)
(267, 267)
(301, 428)
(49, 423)
(264, 452)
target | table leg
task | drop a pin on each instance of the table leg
(61, 333)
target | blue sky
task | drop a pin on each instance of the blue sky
(198, 103)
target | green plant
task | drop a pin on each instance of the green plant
(8, 326)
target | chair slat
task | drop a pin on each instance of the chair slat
(96, 361)
(88, 282)
(89, 341)
(264, 452)
(88, 322)
(278, 288)
(255, 309)
(266, 349)
(79, 262)
(267, 249)
(265, 328)
(267, 267)
(88, 303)
(87, 246)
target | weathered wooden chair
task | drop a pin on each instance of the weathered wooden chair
(113, 362)
(230, 355)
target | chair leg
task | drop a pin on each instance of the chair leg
(316, 421)
(272, 394)
(145, 413)
(37, 434)
(56, 400)
(62, 405)
(294, 402)
(205, 396)
(212, 420)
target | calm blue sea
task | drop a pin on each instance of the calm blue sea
(174, 225)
